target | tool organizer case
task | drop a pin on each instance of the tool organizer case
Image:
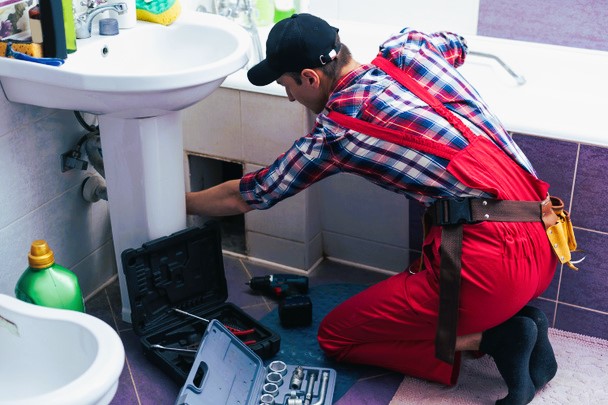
(226, 371)
(184, 271)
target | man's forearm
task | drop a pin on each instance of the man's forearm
(221, 200)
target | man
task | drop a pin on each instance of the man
(485, 255)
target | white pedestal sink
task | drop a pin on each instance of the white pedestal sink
(137, 82)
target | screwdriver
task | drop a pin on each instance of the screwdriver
(235, 331)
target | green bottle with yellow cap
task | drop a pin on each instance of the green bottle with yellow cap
(48, 284)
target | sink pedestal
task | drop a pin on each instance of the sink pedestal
(152, 71)
(144, 170)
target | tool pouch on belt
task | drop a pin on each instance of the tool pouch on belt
(560, 232)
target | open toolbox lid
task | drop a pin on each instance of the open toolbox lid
(185, 270)
(225, 371)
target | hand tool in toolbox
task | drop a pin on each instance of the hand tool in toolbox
(295, 308)
(185, 272)
(226, 371)
(235, 331)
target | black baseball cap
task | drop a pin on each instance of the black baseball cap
(302, 41)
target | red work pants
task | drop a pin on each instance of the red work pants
(504, 266)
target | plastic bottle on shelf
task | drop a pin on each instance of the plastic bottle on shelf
(68, 23)
(48, 284)
(283, 9)
(53, 29)
(264, 12)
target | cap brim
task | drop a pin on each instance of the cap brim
(262, 74)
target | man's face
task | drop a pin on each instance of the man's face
(306, 93)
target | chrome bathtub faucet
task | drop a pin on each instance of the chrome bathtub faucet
(242, 12)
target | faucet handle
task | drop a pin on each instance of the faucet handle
(89, 4)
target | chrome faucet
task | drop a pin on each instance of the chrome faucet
(84, 22)
(242, 12)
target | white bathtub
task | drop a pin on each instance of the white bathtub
(54, 356)
(563, 94)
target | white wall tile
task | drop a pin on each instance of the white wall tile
(30, 164)
(212, 127)
(270, 125)
(13, 115)
(303, 256)
(324, 8)
(72, 227)
(293, 218)
(431, 15)
(353, 206)
(37, 201)
(96, 269)
(365, 252)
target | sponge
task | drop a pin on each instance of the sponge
(158, 11)
(28, 48)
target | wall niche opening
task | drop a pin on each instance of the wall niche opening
(207, 172)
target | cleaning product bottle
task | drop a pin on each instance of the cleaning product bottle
(53, 30)
(264, 12)
(68, 23)
(283, 9)
(48, 284)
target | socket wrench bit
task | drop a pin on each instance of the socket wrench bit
(266, 399)
(271, 388)
(274, 378)
(323, 391)
(297, 378)
(293, 399)
(278, 366)
(312, 377)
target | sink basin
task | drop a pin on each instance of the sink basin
(137, 83)
(144, 71)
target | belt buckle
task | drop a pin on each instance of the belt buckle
(453, 211)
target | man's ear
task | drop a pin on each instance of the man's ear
(311, 77)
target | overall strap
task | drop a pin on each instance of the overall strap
(422, 93)
(402, 138)
(451, 234)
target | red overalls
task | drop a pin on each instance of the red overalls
(504, 265)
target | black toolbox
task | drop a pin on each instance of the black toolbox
(185, 271)
(227, 372)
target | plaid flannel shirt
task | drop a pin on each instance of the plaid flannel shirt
(370, 94)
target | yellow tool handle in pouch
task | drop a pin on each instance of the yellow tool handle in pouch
(561, 233)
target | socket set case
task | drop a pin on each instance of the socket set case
(226, 371)
(185, 271)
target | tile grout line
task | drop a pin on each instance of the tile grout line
(597, 311)
(126, 357)
(559, 286)
(576, 160)
(561, 269)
